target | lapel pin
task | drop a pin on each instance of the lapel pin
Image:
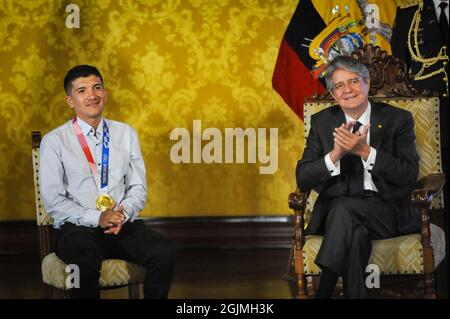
(379, 126)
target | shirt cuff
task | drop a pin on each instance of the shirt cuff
(370, 162)
(333, 169)
(91, 218)
(127, 211)
(127, 216)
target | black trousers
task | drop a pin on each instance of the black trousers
(86, 247)
(350, 226)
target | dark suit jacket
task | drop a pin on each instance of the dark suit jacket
(394, 173)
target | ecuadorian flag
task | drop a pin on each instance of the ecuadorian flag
(320, 30)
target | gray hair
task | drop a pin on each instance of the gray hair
(346, 63)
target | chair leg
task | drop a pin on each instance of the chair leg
(65, 294)
(133, 291)
(47, 291)
(429, 289)
(301, 277)
(302, 287)
(314, 286)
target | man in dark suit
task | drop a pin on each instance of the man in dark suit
(361, 157)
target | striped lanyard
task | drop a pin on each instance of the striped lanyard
(90, 159)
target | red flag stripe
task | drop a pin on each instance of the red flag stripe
(293, 80)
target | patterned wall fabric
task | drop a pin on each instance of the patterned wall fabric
(165, 63)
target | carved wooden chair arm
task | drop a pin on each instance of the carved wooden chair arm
(421, 197)
(297, 200)
(427, 188)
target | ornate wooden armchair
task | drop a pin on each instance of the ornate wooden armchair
(411, 256)
(115, 273)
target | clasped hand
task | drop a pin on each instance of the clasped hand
(347, 142)
(112, 220)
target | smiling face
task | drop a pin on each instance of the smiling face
(350, 91)
(88, 98)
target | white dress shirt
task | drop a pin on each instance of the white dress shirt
(335, 169)
(68, 188)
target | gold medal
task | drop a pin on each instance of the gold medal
(103, 202)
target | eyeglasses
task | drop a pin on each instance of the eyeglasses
(354, 83)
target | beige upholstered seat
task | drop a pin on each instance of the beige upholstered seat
(399, 255)
(115, 273)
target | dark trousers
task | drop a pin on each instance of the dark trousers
(86, 247)
(351, 225)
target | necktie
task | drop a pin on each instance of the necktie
(354, 170)
(356, 127)
(443, 23)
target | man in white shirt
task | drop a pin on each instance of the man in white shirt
(93, 184)
(361, 157)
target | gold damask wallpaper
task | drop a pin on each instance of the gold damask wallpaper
(165, 63)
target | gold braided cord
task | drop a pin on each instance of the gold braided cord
(417, 56)
(407, 3)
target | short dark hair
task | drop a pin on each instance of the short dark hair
(347, 63)
(79, 71)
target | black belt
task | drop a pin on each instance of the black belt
(369, 194)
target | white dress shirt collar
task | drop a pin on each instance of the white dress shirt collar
(86, 128)
(364, 119)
